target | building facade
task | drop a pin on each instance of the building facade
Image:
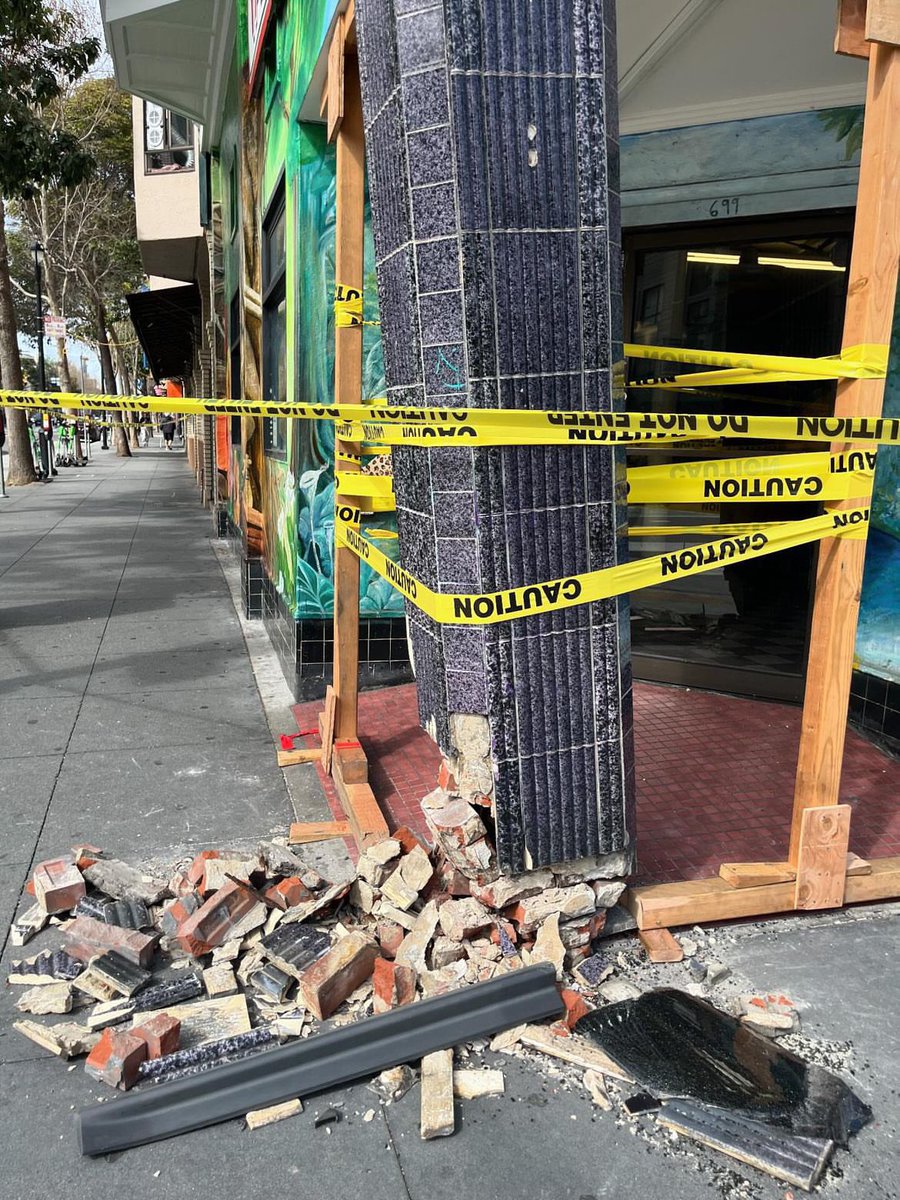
(740, 135)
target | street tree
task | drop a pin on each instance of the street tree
(41, 52)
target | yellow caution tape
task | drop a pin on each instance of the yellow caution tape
(515, 603)
(867, 361)
(357, 484)
(782, 477)
(348, 307)
(433, 427)
(779, 477)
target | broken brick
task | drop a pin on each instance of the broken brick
(576, 1006)
(393, 985)
(197, 868)
(407, 839)
(122, 882)
(85, 855)
(389, 935)
(58, 884)
(446, 778)
(161, 1035)
(213, 922)
(576, 901)
(86, 937)
(287, 892)
(463, 918)
(177, 912)
(326, 984)
(116, 1059)
(509, 889)
(445, 951)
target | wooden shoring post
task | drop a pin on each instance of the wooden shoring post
(349, 272)
(871, 295)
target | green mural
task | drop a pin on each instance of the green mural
(298, 490)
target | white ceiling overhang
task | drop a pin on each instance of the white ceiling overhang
(176, 54)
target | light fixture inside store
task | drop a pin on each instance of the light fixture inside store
(799, 264)
(706, 256)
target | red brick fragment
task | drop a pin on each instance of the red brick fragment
(598, 923)
(58, 884)
(393, 985)
(116, 1058)
(197, 868)
(286, 893)
(446, 778)
(327, 983)
(86, 937)
(389, 935)
(576, 1006)
(86, 855)
(211, 924)
(407, 839)
(508, 928)
(177, 912)
(161, 1034)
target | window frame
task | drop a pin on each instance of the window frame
(167, 148)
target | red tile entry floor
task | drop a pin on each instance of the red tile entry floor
(715, 777)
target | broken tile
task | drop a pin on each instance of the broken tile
(52, 998)
(219, 980)
(67, 1039)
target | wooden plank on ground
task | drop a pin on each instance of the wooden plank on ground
(883, 21)
(302, 833)
(363, 811)
(850, 36)
(437, 1115)
(822, 865)
(661, 947)
(291, 758)
(868, 320)
(702, 901)
(756, 874)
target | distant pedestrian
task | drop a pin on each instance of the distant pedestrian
(167, 425)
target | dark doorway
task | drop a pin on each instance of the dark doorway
(770, 288)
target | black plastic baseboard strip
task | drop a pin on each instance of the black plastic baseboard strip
(324, 1061)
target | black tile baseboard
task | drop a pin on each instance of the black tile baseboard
(305, 648)
(875, 710)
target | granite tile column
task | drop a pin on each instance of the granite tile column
(492, 152)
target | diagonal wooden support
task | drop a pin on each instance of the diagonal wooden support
(871, 296)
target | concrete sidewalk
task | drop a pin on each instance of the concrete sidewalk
(130, 716)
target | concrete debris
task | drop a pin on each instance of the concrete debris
(67, 1040)
(122, 882)
(716, 972)
(278, 860)
(614, 991)
(52, 998)
(437, 1112)
(219, 980)
(461, 919)
(548, 946)
(261, 1117)
(473, 1085)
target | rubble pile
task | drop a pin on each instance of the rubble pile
(229, 953)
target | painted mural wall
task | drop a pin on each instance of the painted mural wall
(297, 490)
(878, 635)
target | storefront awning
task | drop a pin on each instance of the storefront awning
(175, 54)
(167, 323)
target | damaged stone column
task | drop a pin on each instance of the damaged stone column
(492, 151)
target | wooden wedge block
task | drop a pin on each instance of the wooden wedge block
(354, 764)
(304, 832)
(857, 865)
(822, 862)
(661, 947)
(437, 1115)
(292, 758)
(756, 874)
(326, 727)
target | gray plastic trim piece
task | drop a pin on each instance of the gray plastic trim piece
(324, 1061)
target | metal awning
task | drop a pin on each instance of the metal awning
(176, 54)
(167, 323)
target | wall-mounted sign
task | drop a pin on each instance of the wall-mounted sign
(258, 14)
(54, 327)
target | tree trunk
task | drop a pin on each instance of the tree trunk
(21, 464)
(129, 431)
(120, 440)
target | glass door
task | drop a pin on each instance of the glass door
(768, 289)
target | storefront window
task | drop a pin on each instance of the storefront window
(274, 305)
(766, 291)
